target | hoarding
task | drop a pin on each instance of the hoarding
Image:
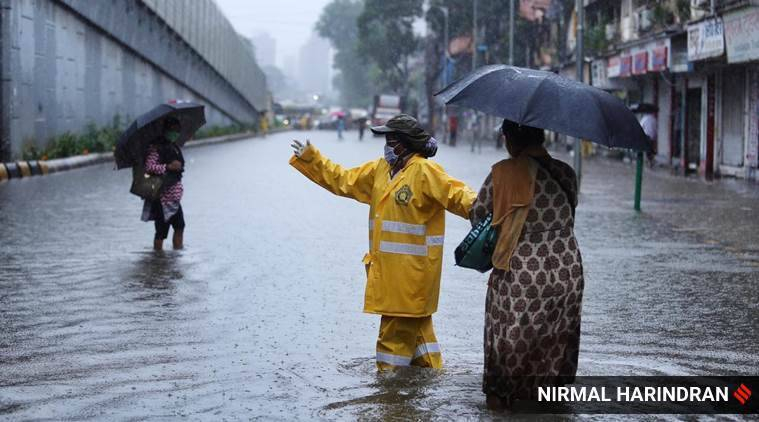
(706, 39)
(742, 35)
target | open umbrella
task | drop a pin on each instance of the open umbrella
(133, 143)
(548, 101)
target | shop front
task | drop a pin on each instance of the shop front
(740, 102)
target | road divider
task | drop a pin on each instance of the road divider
(22, 169)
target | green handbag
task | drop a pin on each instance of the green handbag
(476, 250)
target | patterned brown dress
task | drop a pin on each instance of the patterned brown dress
(532, 311)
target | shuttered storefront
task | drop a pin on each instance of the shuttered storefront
(733, 115)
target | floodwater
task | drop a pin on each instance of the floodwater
(260, 316)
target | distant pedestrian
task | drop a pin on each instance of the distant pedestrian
(533, 303)
(361, 127)
(340, 126)
(474, 130)
(264, 124)
(453, 129)
(164, 157)
(408, 195)
(650, 127)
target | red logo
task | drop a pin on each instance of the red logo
(742, 394)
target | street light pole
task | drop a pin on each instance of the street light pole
(474, 34)
(511, 32)
(580, 14)
(444, 118)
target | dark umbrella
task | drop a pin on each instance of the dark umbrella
(133, 143)
(548, 101)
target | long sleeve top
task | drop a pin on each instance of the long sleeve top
(153, 166)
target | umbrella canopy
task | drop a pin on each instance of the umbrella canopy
(133, 143)
(548, 101)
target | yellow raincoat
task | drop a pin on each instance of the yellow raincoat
(406, 226)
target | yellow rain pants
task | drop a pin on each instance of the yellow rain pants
(406, 341)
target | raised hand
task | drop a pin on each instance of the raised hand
(298, 147)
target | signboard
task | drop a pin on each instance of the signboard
(640, 63)
(658, 59)
(458, 45)
(625, 66)
(598, 73)
(742, 35)
(653, 56)
(534, 10)
(613, 68)
(706, 39)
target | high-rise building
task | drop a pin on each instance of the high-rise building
(266, 48)
(314, 65)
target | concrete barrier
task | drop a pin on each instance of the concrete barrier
(34, 168)
(23, 168)
(19, 169)
(13, 172)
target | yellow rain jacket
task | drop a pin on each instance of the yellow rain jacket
(406, 226)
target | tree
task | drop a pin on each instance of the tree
(386, 37)
(338, 24)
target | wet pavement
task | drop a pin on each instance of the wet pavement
(260, 316)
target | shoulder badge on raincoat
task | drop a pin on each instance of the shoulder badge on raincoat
(403, 195)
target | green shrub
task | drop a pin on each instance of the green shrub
(214, 131)
(94, 139)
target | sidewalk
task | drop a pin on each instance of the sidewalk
(21, 169)
(719, 212)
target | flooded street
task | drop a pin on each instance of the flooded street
(260, 316)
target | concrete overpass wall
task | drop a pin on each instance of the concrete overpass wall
(68, 63)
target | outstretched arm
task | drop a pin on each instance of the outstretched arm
(452, 194)
(355, 183)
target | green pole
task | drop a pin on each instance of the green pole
(638, 179)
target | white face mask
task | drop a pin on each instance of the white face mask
(390, 156)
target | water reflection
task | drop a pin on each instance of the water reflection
(393, 395)
(156, 270)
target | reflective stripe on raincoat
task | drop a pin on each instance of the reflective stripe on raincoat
(406, 226)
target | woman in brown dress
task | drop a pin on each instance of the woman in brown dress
(534, 296)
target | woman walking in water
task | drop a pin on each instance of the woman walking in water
(165, 158)
(533, 304)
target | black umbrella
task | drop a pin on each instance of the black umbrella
(548, 101)
(133, 143)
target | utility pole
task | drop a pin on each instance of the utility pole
(474, 34)
(444, 118)
(511, 32)
(445, 48)
(580, 14)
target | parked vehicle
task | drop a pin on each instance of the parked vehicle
(385, 107)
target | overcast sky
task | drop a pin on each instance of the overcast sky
(290, 22)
